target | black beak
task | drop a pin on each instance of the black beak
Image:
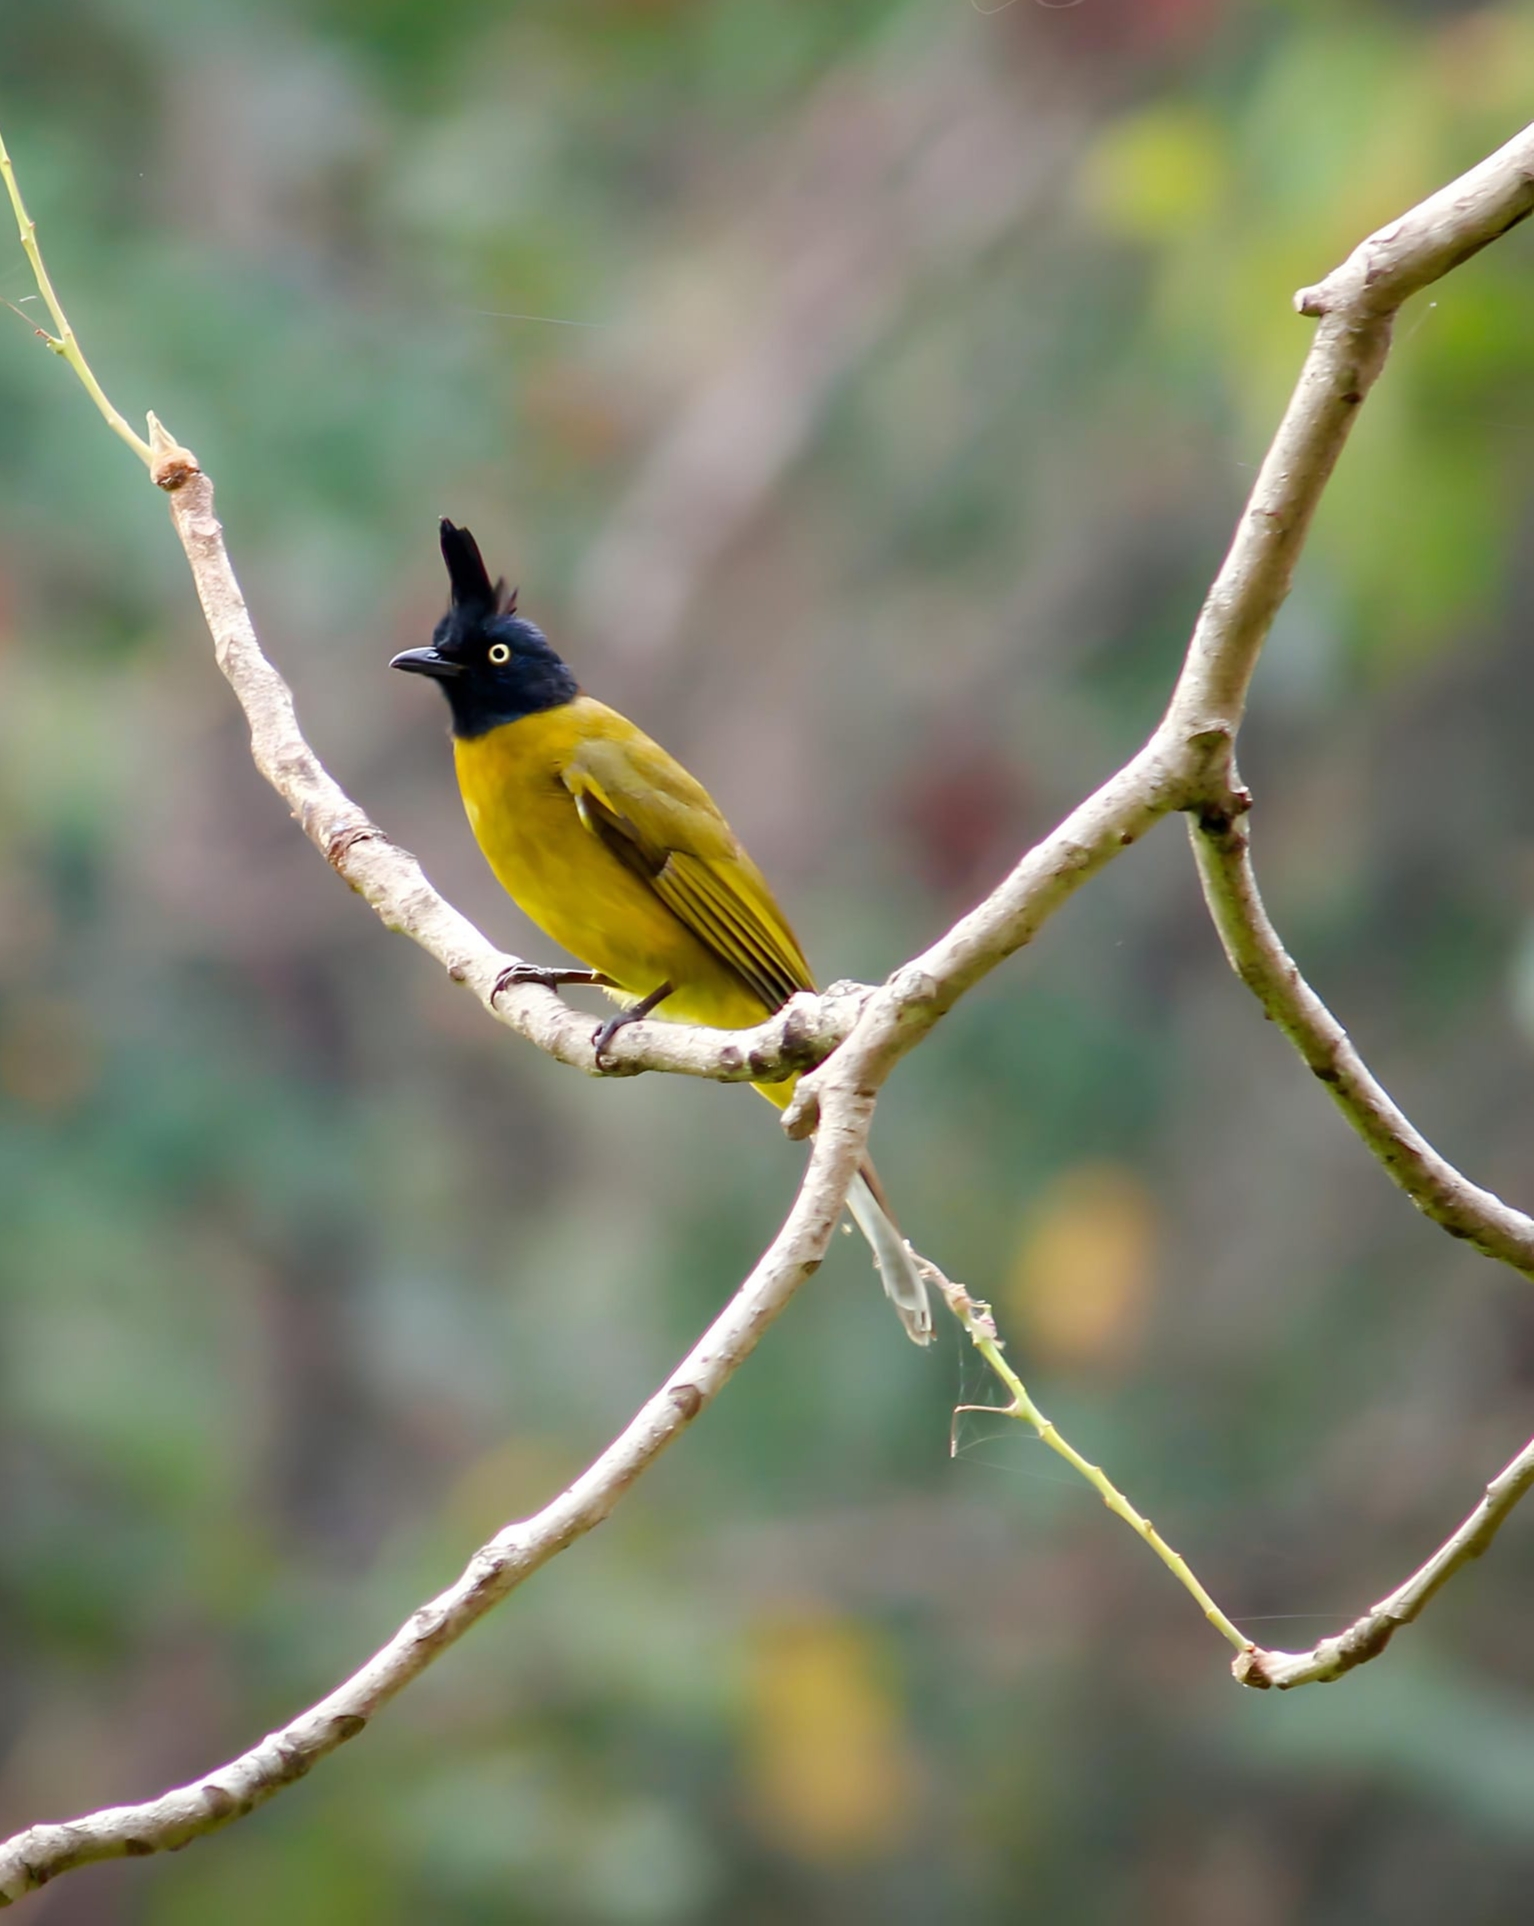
(427, 662)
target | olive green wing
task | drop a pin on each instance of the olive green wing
(665, 827)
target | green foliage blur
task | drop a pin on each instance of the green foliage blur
(862, 395)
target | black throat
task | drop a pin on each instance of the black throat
(488, 693)
(482, 702)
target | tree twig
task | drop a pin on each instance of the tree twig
(63, 343)
(980, 1328)
(1368, 1636)
(1221, 850)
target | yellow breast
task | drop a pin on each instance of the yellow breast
(568, 882)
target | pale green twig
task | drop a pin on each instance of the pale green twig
(64, 343)
(980, 1327)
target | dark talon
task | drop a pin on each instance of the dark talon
(605, 1032)
(546, 979)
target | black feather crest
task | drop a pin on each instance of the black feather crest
(473, 590)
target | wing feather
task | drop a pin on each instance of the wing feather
(715, 891)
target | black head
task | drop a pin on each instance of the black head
(493, 666)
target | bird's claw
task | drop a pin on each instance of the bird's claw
(545, 977)
(602, 1036)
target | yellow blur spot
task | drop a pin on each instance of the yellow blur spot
(1153, 175)
(829, 1767)
(1083, 1274)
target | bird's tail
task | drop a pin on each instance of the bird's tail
(903, 1283)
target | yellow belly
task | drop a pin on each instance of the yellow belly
(572, 886)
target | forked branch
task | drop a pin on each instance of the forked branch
(855, 1039)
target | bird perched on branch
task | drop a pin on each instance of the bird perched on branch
(615, 852)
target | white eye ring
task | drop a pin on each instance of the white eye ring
(498, 653)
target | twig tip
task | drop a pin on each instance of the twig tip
(170, 465)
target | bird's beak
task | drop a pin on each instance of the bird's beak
(427, 662)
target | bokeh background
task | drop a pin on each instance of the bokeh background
(863, 396)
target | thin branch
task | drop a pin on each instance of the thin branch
(1433, 238)
(1188, 763)
(1368, 1636)
(1220, 848)
(188, 1812)
(1356, 305)
(63, 343)
(980, 1327)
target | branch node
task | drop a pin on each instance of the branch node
(801, 1114)
(915, 986)
(170, 466)
(340, 843)
(1250, 1668)
(688, 1400)
(1211, 753)
(1220, 819)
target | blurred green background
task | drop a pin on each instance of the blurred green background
(862, 395)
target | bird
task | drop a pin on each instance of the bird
(620, 856)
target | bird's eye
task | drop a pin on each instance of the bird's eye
(498, 653)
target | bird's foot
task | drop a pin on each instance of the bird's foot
(546, 979)
(602, 1036)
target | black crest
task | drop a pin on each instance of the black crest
(473, 591)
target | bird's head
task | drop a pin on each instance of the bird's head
(493, 666)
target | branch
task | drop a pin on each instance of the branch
(1433, 238)
(1368, 1636)
(1220, 848)
(185, 1813)
(980, 1327)
(1357, 303)
(63, 343)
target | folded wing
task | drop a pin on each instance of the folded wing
(666, 828)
